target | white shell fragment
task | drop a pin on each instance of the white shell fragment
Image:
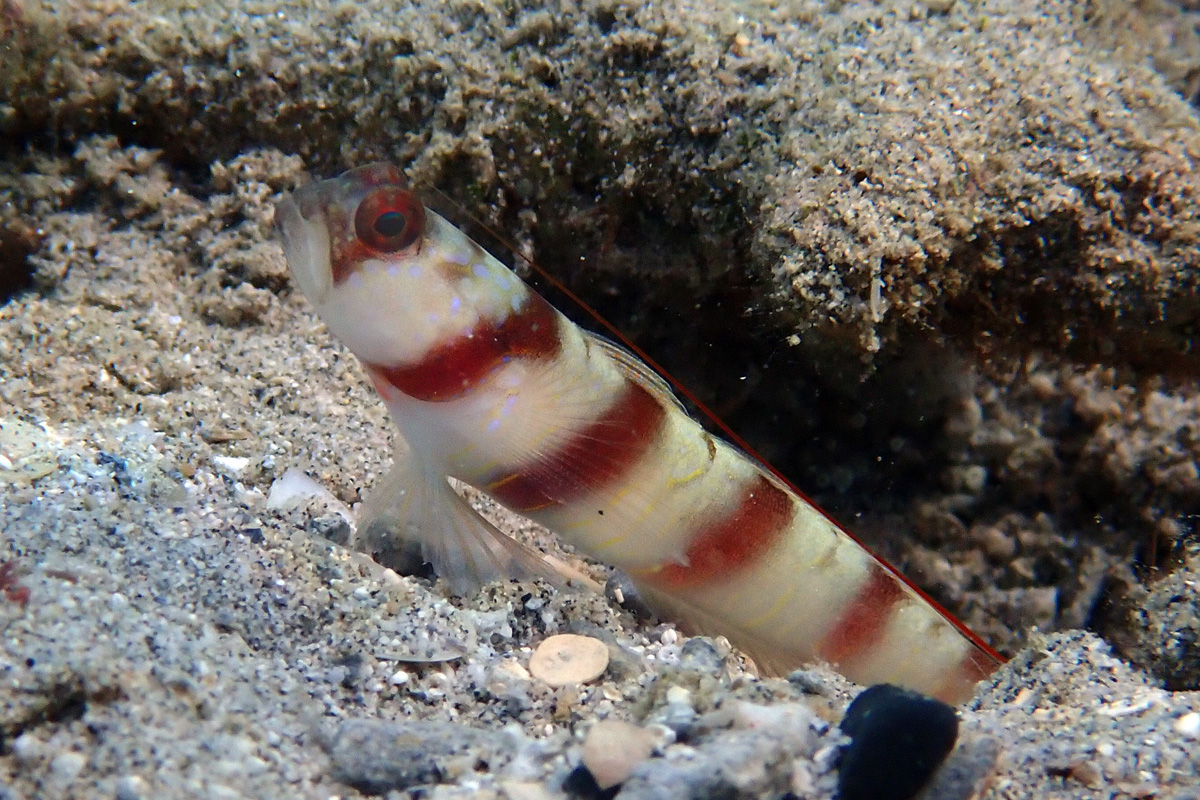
(569, 658)
(613, 749)
(27, 452)
(294, 488)
(230, 465)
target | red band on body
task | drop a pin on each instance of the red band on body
(763, 515)
(453, 369)
(861, 624)
(597, 455)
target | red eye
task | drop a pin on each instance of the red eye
(389, 220)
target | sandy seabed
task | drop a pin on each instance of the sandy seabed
(1006, 191)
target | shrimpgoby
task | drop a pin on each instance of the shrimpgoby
(491, 385)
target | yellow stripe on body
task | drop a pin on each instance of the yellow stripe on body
(581, 527)
(647, 516)
(785, 600)
(497, 484)
(788, 599)
(643, 502)
(659, 505)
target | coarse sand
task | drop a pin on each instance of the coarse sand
(937, 260)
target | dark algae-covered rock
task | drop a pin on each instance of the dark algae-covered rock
(376, 757)
(898, 738)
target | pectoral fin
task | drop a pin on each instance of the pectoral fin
(415, 516)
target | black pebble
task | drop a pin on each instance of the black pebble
(700, 655)
(620, 585)
(582, 785)
(898, 738)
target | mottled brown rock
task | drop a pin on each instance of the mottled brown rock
(988, 170)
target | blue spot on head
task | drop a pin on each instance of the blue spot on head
(493, 425)
(480, 271)
(414, 271)
(455, 303)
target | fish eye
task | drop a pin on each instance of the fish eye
(390, 224)
(389, 220)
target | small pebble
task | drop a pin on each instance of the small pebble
(1087, 773)
(701, 655)
(997, 544)
(678, 718)
(798, 719)
(803, 781)
(66, 767)
(27, 749)
(620, 589)
(1189, 725)
(569, 658)
(939, 6)
(1043, 386)
(898, 738)
(809, 682)
(230, 464)
(565, 702)
(524, 790)
(679, 695)
(613, 749)
(378, 757)
(132, 787)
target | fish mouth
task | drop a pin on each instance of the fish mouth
(303, 228)
(310, 220)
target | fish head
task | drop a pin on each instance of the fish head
(389, 278)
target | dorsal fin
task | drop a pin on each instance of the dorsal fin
(636, 369)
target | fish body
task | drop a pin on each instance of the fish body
(492, 386)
